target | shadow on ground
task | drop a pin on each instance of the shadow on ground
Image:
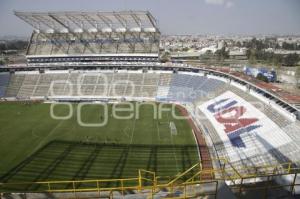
(66, 160)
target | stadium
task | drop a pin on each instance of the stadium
(94, 114)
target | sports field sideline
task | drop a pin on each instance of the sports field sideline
(35, 147)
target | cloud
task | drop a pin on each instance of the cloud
(229, 4)
(225, 3)
(215, 2)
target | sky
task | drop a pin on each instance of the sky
(175, 17)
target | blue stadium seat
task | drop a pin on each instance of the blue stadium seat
(4, 80)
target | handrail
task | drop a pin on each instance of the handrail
(70, 181)
(184, 173)
(137, 183)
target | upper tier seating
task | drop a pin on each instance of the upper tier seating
(91, 43)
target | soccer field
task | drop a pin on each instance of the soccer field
(36, 147)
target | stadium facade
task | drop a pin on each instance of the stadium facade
(244, 133)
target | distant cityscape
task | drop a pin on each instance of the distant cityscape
(202, 43)
(235, 52)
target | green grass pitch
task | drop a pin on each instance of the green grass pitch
(35, 147)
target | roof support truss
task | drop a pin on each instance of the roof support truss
(85, 20)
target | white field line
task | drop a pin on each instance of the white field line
(133, 129)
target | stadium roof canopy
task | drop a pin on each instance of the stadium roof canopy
(64, 22)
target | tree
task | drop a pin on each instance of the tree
(251, 55)
(207, 55)
(165, 57)
(2, 47)
(185, 49)
(290, 46)
(262, 78)
(222, 54)
(277, 60)
(291, 59)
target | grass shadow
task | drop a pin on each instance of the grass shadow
(67, 160)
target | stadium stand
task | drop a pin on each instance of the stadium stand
(188, 88)
(252, 151)
(4, 80)
(98, 36)
(14, 86)
(165, 86)
(171, 87)
(262, 156)
(105, 56)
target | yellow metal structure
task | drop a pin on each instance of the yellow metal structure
(193, 182)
